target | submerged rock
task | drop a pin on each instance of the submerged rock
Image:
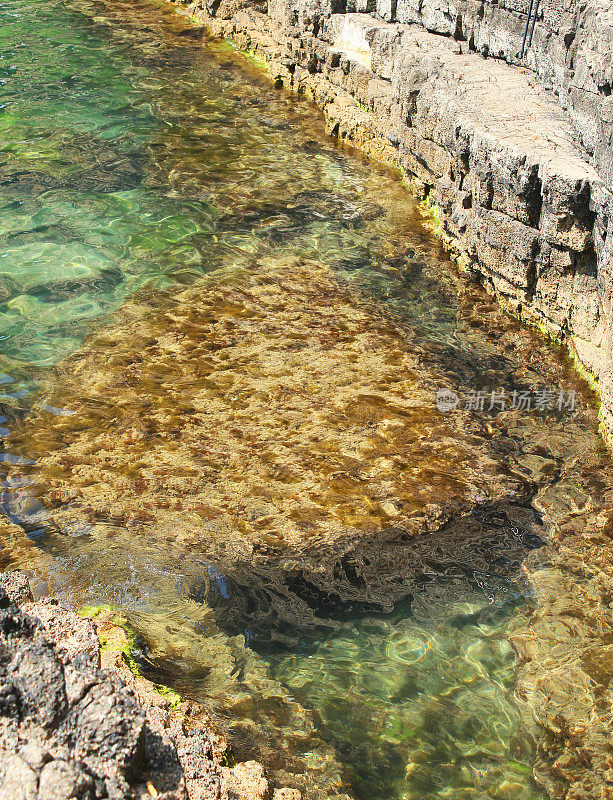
(565, 681)
(268, 419)
(270, 439)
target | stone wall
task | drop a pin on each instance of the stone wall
(571, 51)
(516, 157)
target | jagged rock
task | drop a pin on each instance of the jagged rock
(246, 781)
(73, 635)
(89, 737)
(69, 729)
(19, 781)
(16, 586)
(286, 794)
(63, 779)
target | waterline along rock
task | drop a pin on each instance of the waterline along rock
(263, 433)
(513, 154)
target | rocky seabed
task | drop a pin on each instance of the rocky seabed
(514, 154)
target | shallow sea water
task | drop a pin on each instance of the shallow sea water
(222, 339)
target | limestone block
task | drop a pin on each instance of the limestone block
(407, 11)
(440, 16)
(384, 42)
(506, 246)
(386, 9)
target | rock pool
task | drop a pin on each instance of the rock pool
(224, 341)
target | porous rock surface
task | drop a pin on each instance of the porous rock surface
(515, 153)
(70, 730)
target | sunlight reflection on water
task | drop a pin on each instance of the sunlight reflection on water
(223, 337)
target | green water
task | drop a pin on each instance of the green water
(419, 709)
(80, 227)
(143, 169)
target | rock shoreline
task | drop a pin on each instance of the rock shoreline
(75, 722)
(520, 183)
(565, 664)
(521, 186)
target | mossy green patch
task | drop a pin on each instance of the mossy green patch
(433, 211)
(255, 58)
(363, 107)
(115, 633)
(174, 698)
(518, 766)
(91, 612)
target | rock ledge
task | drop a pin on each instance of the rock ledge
(519, 198)
(71, 730)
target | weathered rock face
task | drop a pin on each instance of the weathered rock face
(70, 730)
(521, 177)
(67, 728)
(570, 50)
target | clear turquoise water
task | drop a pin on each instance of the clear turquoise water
(133, 161)
(419, 708)
(79, 226)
